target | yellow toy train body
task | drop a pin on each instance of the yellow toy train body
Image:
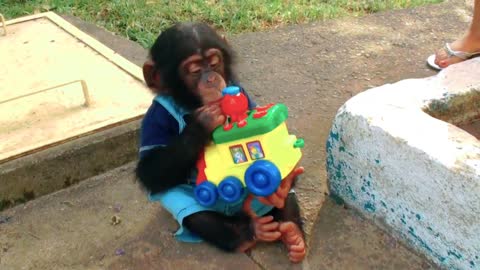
(252, 158)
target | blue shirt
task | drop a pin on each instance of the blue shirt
(159, 127)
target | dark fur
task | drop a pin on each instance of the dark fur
(175, 45)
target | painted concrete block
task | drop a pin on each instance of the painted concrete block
(397, 154)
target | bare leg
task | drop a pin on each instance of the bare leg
(470, 42)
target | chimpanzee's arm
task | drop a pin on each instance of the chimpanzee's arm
(167, 166)
(225, 232)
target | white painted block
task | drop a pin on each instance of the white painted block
(414, 174)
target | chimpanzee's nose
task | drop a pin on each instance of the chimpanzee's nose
(210, 78)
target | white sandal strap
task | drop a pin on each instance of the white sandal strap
(459, 54)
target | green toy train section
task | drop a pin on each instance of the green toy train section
(276, 115)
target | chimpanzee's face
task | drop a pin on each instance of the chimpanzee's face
(204, 75)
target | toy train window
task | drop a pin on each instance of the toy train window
(238, 155)
(255, 149)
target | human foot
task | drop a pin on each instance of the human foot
(292, 237)
(467, 44)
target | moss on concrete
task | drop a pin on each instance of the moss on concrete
(456, 109)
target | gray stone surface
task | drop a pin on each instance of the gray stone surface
(344, 240)
(73, 229)
(410, 172)
(69, 163)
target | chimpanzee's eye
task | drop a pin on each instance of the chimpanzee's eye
(194, 69)
(214, 61)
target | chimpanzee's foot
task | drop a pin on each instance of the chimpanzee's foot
(292, 237)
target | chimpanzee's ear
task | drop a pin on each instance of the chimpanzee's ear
(224, 38)
(151, 76)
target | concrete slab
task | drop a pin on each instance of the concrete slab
(63, 165)
(63, 96)
(73, 229)
(401, 161)
(344, 240)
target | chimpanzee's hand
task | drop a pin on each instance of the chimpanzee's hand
(266, 229)
(210, 116)
(277, 199)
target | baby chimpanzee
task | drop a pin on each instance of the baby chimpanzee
(189, 66)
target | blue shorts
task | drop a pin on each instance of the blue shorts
(180, 202)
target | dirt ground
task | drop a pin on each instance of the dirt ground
(313, 69)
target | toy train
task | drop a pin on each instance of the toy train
(252, 152)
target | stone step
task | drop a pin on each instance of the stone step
(73, 229)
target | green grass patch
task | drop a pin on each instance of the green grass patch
(143, 20)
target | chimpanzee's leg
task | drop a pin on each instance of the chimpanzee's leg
(230, 233)
(291, 211)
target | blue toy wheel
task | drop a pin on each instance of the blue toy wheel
(206, 193)
(230, 189)
(262, 178)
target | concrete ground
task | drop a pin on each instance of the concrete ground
(74, 229)
(313, 69)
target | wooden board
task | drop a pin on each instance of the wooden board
(44, 61)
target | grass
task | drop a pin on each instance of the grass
(142, 20)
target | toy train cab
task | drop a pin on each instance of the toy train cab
(252, 154)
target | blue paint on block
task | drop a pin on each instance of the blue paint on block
(472, 264)
(337, 199)
(455, 254)
(421, 242)
(383, 204)
(370, 207)
(350, 193)
(334, 135)
(377, 161)
(418, 216)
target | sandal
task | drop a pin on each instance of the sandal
(451, 53)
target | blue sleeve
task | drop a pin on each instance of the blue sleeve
(158, 128)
